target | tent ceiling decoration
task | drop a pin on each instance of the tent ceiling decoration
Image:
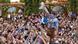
(12, 9)
(57, 9)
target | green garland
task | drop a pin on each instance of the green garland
(73, 5)
(4, 1)
(32, 6)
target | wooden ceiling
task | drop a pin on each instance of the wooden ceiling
(12, 4)
(62, 2)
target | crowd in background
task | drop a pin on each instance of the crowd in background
(40, 28)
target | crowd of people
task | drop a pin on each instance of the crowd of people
(40, 28)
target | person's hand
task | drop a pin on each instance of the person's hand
(43, 39)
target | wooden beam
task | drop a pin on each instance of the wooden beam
(12, 4)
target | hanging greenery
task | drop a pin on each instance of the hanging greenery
(4, 1)
(22, 1)
(4, 10)
(32, 6)
(73, 5)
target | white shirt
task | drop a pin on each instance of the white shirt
(42, 20)
(9, 16)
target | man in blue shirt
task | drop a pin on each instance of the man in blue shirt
(44, 20)
(55, 23)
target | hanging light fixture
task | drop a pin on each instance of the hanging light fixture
(13, 1)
